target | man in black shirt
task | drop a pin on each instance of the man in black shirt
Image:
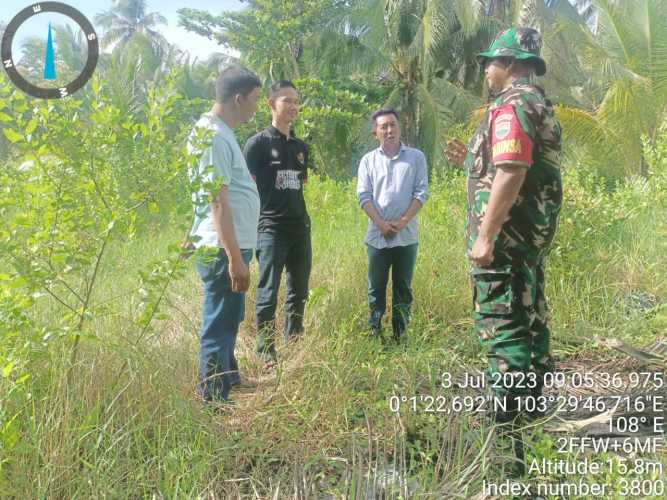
(278, 161)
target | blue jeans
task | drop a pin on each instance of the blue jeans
(222, 314)
(277, 251)
(401, 261)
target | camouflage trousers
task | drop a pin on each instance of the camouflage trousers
(510, 318)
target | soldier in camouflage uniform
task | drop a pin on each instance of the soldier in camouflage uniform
(514, 198)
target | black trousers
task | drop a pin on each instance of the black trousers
(277, 251)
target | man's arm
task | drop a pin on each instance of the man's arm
(387, 230)
(365, 194)
(221, 213)
(419, 195)
(224, 227)
(413, 209)
(512, 155)
(254, 156)
(306, 154)
(504, 192)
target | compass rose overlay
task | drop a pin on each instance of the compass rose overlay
(46, 92)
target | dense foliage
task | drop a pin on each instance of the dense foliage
(99, 315)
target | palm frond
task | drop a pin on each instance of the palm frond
(585, 130)
(429, 123)
(454, 103)
(106, 19)
(469, 15)
(153, 19)
(616, 33)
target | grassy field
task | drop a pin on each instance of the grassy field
(123, 422)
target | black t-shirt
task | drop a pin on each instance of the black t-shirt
(280, 167)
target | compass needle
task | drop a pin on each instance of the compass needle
(49, 60)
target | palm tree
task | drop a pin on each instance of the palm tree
(127, 18)
(197, 78)
(270, 35)
(422, 50)
(627, 63)
(130, 72)
(72, 46)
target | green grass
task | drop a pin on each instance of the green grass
(124, 421)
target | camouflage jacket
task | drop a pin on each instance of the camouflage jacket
(519, 128)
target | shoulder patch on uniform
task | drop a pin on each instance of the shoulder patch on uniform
(509, 142)
(503, 125)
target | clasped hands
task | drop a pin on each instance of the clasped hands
(390, 228)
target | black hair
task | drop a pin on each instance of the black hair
(276, 87)
(235, 80)
(382, 112)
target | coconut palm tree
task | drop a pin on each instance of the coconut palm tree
(422, 50)
(197, 78)
(128, 17)
(626, 61)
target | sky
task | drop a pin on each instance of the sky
(196, 45)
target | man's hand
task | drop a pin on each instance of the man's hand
(456, 152)
(387, 229)
(398, 225)
(481, 254)
(239, 274)
(187, 249)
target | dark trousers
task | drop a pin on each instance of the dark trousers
(401, 261)
(277, 251)
(222, 314)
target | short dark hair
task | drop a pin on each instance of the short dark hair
(382, 112)
(276, 87)
(235, 80)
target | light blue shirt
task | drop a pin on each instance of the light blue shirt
(228, 168)
(391, 184)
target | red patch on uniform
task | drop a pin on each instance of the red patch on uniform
(509, 142)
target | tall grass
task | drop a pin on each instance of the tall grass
(126, 422)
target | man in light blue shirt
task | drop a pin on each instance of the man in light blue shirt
(226, 208)
(392, 186)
